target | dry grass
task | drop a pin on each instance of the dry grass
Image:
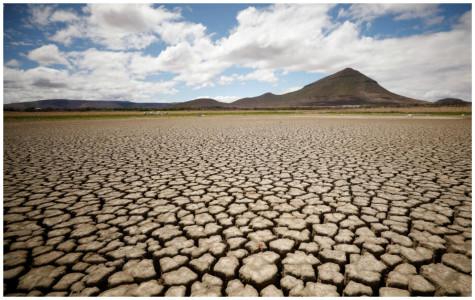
(416, 109)
(63, 115)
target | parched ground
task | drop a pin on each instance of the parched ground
(238, 206)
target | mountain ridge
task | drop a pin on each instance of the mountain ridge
(452, 102)
(347, 87)
(82, 104)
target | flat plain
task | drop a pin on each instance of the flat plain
(277, 205)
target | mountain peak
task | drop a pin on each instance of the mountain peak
(348, 72)
(346, 87)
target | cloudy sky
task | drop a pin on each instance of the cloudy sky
(179, 52)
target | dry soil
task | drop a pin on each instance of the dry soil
(238, 206)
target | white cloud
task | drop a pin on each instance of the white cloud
(63, 16)
(77, 29)
(272, 41)
(465, 21)
(288, 90)
(226, 79)
(40, 14)
(95, 60)
(227, 99)
(411, 65)
(18, 83)
(13, 63)
(128, 18)
(195, 64)
(176, 32)
(261, 75)
(263, 40)
(48, 55)
(128, 26)
(48, 83)
(429, 13)
(118, 26)
(421, 66)
(46, 14)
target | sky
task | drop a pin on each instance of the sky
(179, 52)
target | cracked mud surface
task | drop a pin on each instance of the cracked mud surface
(238, 206)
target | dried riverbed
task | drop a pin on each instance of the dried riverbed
(238, 206)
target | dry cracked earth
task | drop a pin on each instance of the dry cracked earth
(238, 206)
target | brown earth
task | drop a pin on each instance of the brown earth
(238, 206)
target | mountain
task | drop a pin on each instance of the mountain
(81, 104)
(347, 87)
(200, 103)
(452, 102)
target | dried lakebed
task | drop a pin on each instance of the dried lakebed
(238, 206)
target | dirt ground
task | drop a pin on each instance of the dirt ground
(294, 205)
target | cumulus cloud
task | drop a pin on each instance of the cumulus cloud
(67, 35)
(13, 63)
(263, 40)
(273, 40)
(48, 83)
(48, 55)
(24, 81)
(429, 13)
(422, 66)
(118, 26)
(261, 75)
(411, 65)
(93, 75)
(128, 26)
(63, 16)
(128, 18)
(40, 14)
(226, 79)
(44, 15)
(176, 32)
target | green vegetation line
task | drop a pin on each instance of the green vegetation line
(197, 114)
(138, 115)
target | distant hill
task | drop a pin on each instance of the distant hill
(452, 102)
(347, 87)
(200, 103)
(81, 104)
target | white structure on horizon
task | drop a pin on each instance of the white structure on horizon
(409, 115)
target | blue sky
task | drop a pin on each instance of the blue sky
(179, 52)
